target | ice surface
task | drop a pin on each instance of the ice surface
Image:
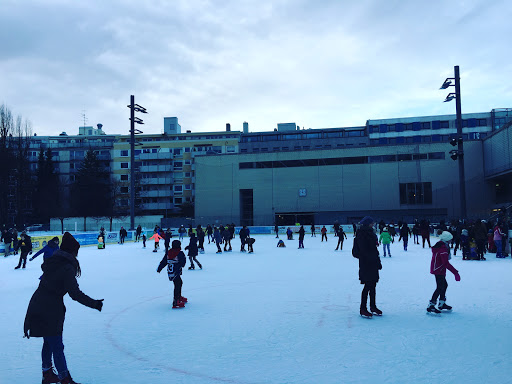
(274, 316)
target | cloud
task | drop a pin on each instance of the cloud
(320, 64)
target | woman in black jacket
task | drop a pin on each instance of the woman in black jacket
(365, 249)
(46, 310)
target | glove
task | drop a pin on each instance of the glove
(457, 277)
(99, 304)
(30, 253)
(31, 259)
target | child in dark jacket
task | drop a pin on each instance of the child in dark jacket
(193, 251)
(175, 261)
(438, 266)
(48, 249)
(25, 245)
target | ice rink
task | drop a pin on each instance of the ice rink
(274, 316)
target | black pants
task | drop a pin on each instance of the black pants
(192, 259)
(480, 247)
(324, 235)
(427, 239)
(441, 287)
(227, 243)
(369, 288)
(340, 243)
(122, 239)
(178, 283)
(23, 258)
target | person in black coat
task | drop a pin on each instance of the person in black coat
(122, 235)
(193, 251)
(341, 237)
(25, 246)
(302, 232)
(7, 239)
(46, 310)
(365, 249)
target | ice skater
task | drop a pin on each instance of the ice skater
(324, 233)
(45, 313)
(193, 251)
(302, 232)
(175, 261)
(341, 237)
(25, 246)
(438, 266)
(313, 233)
(157, 238)
(48, 250)
(385, 239)
(365, 249)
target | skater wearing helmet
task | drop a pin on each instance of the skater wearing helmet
(438, 266)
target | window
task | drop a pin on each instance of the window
(178, 200)
(188, 187)
(178, 165)
(275, 149)
(255, 149)
(425, 125)
(408, 127)
(482, 122)
(269, 137)
(124, 165)
(71, 178)
(415, 193)
(416, 126)
(436, 138)
(137, 152)
(399, 127)
(416, 139)
(333, 134)
(230, 149)
(383, 128)
(188, 162)
(285, 148)
(187, 149)
(419, 156)
(391, 127)
(55, 153)
(291, 137)
(436, 156)
(305, 147)
(404, 157)
(312, 136)
(373, 129)
(124, 189)
(383, 141)
(124, 177)
(178, 188)
(264, 149)
(355, 133)
(71, 165)
(297, 148)
(176, 151)
(187, 174)
(243, 150)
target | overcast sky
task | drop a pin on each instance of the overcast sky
(318, 63)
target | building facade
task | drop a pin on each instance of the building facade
(394, 168)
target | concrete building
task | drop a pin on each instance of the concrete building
(393, 169)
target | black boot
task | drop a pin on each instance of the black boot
(68, 380)
(364, 313)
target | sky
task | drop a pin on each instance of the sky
(320, 64)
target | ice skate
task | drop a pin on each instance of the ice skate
(191, 267)
(443, 306)
(432, 309)
(364, 313)
(68, 380)
(183, 299)
(179, 304)
(50, 376)
(376, 311)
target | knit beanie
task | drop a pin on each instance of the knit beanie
(445, 236)
(367, 220)
(69, 244)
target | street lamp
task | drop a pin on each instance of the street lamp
(457, 154)
(133, 120)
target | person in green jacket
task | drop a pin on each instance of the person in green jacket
(385, 240)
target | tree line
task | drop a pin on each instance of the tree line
(34, 196)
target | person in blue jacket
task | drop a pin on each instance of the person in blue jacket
(218, 239)
(48, 249)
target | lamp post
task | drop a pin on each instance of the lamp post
(458, 154)
(133, 108)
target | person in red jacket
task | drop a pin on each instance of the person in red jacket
(324, 233)
(438, 266)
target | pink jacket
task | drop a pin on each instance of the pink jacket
(440, 262)
(498, 235)
(157, 237)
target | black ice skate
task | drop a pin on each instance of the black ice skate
(50, 376)
(68, 380)
(191, 268)
(376, 311)
(432, 309)
(442, 306)
(364, 313)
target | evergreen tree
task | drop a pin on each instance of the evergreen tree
(91, 192)
(47, 197)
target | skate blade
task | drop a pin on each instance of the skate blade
(366, 317)
(433, 314)
(376, 314)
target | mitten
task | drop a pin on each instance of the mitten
(31, 259)
(99, 304)
(457, 277)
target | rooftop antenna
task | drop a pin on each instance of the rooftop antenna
(84, 117)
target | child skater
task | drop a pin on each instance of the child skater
(144, 240)
(438, 266)
(175, 261)
(157, 238)
(302, 232)
(341, 237)
(385, 240)
(193, 251)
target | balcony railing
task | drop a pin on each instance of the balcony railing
(156, 156)
(155, 168)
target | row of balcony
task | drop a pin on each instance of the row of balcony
(166, 180)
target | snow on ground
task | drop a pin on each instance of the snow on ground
(275, 316)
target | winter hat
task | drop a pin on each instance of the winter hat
(445, 236)
(367, 220)
(176, 244)
(69, 244)
(465, 232)
(385, 229)
(55, 240)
